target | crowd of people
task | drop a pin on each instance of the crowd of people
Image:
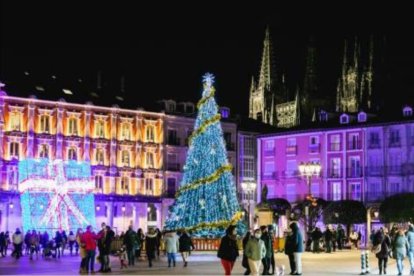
(332, 239)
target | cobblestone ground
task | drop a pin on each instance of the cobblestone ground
(200, 263)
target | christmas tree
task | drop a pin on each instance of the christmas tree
(206, 202)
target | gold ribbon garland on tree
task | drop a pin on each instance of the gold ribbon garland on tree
(221, 223)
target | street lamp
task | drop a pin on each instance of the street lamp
(376, 214)
(308, 170)
(123, 216)
(248, 188)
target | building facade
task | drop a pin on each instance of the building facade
(360, 160)
(136, 156)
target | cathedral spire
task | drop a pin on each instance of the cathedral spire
(265, 79)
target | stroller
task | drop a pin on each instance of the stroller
(49, 250)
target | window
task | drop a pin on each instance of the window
(356, 191)
(336, 191)
(152, 212)
(225, 112)
(44, 151)
(150, 133)
(171, 182)
(291, 168)
(394, 188)
(125, 158)
(335, 142)
(315, 189)
(100, 156)
(362, 117)
(149, 186)
(353, 141)
(15, 121)
(291, 142)
(394, 137)
(227, 138)
(355, 167)
(374, 140)
(249, 146)
(100, 129)
(323, 116)
(395, 163)
(259, 116)
(44, 123)
(269, 168)
(14, 150)
(291, 192)
(335, 167)
(126, 131)
(99, 182)
(407, 111)
(269, 147)
(150, 159)
(72, 154)
(314, 140)
(73, 126)
(124, 185)
(172, 137)
(248, 168)
(344, 119)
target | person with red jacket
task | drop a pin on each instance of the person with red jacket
(89, 239)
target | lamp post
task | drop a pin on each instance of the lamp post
(249, 189)
(308, 170)
(123, 216)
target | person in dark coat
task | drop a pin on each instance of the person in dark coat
(140, 239)
(59, 244)
(186, 245)
(151, 245)
(159, 239)
(272, 257)
(289, 245)
(328, 240)
(316, 236)
(269, 248)
(2, 243)
(245, 261)
(129, 241)
(297, 247)
(228, 250)
(106, 249)
(340, 236)
(101, 244)
(382, 239)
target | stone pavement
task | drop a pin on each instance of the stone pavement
(200, 263)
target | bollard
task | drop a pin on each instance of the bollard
(363, 262)
(367, 262)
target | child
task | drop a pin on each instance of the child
(123, 257)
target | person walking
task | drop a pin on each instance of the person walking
(140, 240)
(159, 240)
(400, 247)
(59, 244)
(106, 248)
(17, 239)
(289, 247)
(316, 237)
(334, 238)
(328, 239)
(129, 241)
(245, 261)
(171, 246)
(151, 245)
(297, 247)
(410, 239)
(228, 250)
(269, 248)
(381, 245)
(2, 243)
(186, 245)
(255, 252)
(72, 241)
(271, 231)
(340, 237)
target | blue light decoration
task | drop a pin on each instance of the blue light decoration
(206, 202)
(56, 195)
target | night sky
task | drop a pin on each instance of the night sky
(163, 50)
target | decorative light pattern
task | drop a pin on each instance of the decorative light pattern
(56, 195)
(206, 202)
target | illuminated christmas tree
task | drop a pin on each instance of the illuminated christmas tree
(206, 202)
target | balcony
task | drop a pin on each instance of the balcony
(269, 152)
(374, 144)
(174, 141)
(230, 147)
(395, 143)
(355, 172)
(270, 176)
(175, 167)
(334, 173)
(335, 146)
(314, 148)
(291, 174)
(291, 150)
(344, 196)
(354, 145)
(375, 171)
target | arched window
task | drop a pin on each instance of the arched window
(15, 121)
(126, 131)
(149, 186)
(72, 154)
(44, 151)
(73, 126)
(150, 133)
(45, 123)
(14, 150)
(150, 159)
(125, 158)
(99, 182)
(100, 156)
(124, 185)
